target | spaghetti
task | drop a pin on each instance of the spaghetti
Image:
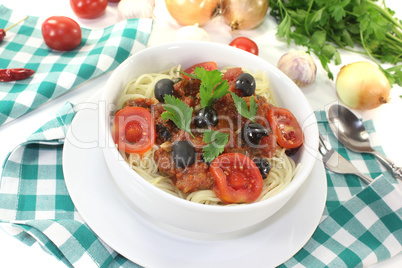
(283, 168)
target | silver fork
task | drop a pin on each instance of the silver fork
(335, 162)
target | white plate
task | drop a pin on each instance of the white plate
(151, 244)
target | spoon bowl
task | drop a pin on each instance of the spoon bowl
(350, 131)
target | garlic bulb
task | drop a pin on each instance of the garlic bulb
(135, 9)
(192, 33)
(298, 66)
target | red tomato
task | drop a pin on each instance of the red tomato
(133, 130)
(237, 178)
(88, 9)
(246, 44)
(208, 65)
(61, 33)
(285, 127)
(114, 1)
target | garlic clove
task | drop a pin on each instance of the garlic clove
(193, 33)
(298, 66)
(135, 9)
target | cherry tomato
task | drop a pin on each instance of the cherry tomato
(237, 178)
(88, 9)
(208, 65)
(285, 127)
(61, 33)
(133, 130)
(246, 44)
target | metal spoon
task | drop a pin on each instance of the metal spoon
(351, 132)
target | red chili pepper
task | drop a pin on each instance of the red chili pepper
(2, 34)
(3, 31)
(13, 74)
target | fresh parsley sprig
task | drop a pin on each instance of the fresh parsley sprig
(212, 87)
(179, 112)
(216, 142)
(243, 109)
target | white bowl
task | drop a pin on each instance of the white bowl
(185, 214)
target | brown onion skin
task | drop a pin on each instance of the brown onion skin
(362, 86)
(190, 12)
(244, 14)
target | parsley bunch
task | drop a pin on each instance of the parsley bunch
(325, 26)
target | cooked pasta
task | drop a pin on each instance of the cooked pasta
(283, 168)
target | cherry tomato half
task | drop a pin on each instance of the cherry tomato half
(88, 9)
(208, 65)
(133, 130)
(237, 178)
(61, 33)
(285, 127)
(246, 44)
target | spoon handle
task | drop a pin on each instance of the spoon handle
(391, 165)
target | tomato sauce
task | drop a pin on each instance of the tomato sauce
(197, 176)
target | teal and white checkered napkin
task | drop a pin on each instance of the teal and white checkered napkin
(361, 224)
(35, 205)
(56, 72)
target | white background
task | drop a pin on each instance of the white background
(322, 92)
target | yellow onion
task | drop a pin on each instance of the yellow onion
(190, 12)
(362, 85)
(244, 14)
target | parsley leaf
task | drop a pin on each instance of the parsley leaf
(212, 86)
(242, 108)
(179, 112)
(189, 75)
(216, 144)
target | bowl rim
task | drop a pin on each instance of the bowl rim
(286, 193)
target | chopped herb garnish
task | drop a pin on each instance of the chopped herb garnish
(243, 109)
(216, 144)
(179, 112)
(212, 86)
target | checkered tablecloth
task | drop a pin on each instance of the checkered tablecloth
(361, 224)
(56, 72)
